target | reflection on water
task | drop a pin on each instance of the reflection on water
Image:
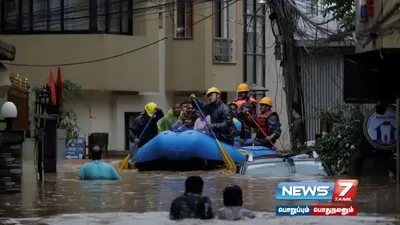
(161, 218)
(154, 191)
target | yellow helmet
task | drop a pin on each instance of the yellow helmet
(150, 108)
(213, 90)
(266, 101)
(243, 88)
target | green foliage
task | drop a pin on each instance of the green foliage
(339, 147)
(343, 10)
(68, 117)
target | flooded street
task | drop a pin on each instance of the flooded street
(144, 198)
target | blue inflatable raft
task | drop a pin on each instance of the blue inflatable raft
(190, 150)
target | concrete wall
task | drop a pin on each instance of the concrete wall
(184, 64)
(275, 83)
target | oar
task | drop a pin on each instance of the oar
(124, 164)
(229, 163)
(262, 131)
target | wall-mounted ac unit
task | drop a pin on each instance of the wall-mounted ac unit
(374, 22)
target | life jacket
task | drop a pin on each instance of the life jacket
(262, 121)
(241, 102)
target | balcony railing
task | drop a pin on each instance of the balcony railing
(223, 49)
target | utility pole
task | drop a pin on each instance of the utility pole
(289, 73)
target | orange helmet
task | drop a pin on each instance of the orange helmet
(243, 88)
(266, 101)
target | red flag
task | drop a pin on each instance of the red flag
(60, 88)
(52, 89)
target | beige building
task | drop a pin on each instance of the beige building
(125, 54)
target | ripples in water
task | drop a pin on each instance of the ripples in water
(118, 202)
(161, 218)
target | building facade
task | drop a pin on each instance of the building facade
(126, 53)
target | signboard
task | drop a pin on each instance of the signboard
(380, 130)
(75, 149)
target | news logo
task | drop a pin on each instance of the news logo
(345, 191)
(342, 191)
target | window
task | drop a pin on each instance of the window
(66, 16)
(309, 6)
(268, 169)
(224, 30)
(183, 19)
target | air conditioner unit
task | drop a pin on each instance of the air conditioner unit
(373, 21)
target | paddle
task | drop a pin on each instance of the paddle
(230, 165)
(124, 164)
(262, 131)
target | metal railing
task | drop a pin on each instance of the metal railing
(223, 49)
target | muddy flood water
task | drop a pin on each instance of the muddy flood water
(144, 198)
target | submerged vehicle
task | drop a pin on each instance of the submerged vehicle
(283, 166)
(191, 150)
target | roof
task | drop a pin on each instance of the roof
(7, 51)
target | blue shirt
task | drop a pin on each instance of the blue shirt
(98, 170)
(238, 126)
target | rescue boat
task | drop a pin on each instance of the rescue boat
(191, 150)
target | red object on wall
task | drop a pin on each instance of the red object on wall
(370, 8)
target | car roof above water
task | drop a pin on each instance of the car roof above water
(298, 164)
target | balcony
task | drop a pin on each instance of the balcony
(223, 50)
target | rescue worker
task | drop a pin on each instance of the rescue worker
(268, 120)
(97, 169)
(140, 123)
(192, 204)
(233, 202)
(186, 120)
(168, 120)
(220, 114)
(245, 101)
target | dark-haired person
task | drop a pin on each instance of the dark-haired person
(97, 169)
(184, 106)
(170, 118)
(186, 120)
(233, 202)
(192, 204)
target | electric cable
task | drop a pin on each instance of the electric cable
(114, 56)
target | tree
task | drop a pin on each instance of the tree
(343, 10)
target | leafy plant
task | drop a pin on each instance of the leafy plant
(339, 147)
(68, 117)
(343, 10)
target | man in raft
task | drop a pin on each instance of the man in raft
(243, 102)
(150, 109)
(269, 122)
(220, 115)
(170, 119)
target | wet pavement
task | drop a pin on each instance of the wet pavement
(144, 198)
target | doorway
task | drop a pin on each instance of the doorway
(129, 120)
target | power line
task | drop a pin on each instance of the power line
(118, 55)
(86, 22)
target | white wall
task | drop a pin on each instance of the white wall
(274, 82)
(109, 111)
